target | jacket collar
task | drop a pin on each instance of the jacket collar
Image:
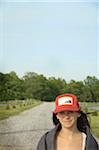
(50, 138)
(91, 143)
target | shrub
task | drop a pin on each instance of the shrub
(8, 106)
(95, 113)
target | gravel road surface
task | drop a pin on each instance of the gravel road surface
(22, 132)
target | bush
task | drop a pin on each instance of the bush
(8, 106)
(95, 113)
(13, 106)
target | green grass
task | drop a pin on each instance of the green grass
(15, 108)
(89, 104)
(95, 125)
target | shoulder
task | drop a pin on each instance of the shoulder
(47, 138)
(93, 143)
(42, 142)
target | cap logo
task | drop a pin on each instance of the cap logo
(65, 101)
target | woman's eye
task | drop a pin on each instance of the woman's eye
(70, 111)
(66, 113)
(62, 113)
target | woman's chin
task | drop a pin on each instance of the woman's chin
(68, 124)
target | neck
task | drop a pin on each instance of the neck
(68, 132)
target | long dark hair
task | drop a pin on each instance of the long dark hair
(82, 121)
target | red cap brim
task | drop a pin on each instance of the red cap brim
(64, 108)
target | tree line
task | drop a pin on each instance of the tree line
(35, 86)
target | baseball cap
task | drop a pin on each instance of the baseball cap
(66, 102)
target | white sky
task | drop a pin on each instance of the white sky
(57, 39)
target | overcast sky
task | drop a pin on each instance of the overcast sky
(57, 39)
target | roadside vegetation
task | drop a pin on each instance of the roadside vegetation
(95, 124)
(12, 108)
(35, 86)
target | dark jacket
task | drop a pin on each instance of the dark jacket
(47, 141)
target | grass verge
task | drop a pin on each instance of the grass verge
(94, 122)
(14, 108)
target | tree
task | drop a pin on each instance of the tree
(56, 87)
(2, 87)
(12, 86)
(75, 87)
(92, 85)
(36, 86)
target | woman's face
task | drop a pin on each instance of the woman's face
(68, 119)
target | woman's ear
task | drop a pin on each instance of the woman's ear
(57, 116)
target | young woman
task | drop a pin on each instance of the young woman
(72, 129)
